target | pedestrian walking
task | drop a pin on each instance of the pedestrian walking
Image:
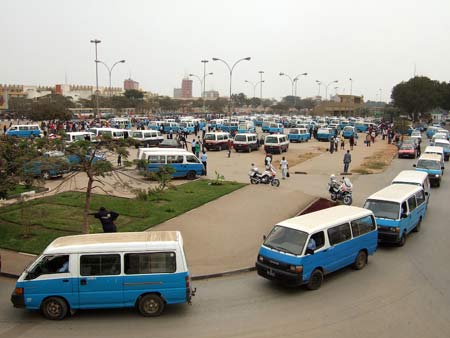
(368, 140)
(119, 160)
(372, 136)
(197, 149)
(342, 142)
(193, 145)
(336, 144)
(347, 160)
(230, 145)
(351, 141)
(332, 145)
(267, 159)
(419, 148)
(204, 160)
(284, 168)
(107, 219)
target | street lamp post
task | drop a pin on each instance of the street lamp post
(261, 72)
(351, 86)
(326, 88)
(230, 102)
(335, 90)
(296, 79)
(254, 85)
(110, 71)
(96, 42)
(204, 84)
(319, 83)
(201, 82)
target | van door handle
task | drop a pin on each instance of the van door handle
(83, 281)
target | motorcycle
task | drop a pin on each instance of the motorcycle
(340, 190)
(267, 177)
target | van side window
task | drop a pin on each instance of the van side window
(50, 265)
(191, 159)
(219, 137)
(319, 238)
(156, 159)
(155, 262)
(338, 234)
(404, 209)
(362, 226)
(174, 159)
(412, 203)
(23, 127)
(420, 197)
(99, 265)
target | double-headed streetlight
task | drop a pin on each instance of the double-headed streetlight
(319, 83)
(296, 79)
(230, 69)
(261, 72)
(96, 42)
(202, 85)
(110, 71)
(254, 85)
(326, 88)
(294, 84)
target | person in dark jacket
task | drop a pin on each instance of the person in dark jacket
(107, 219)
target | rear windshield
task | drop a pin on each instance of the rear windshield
(383, 209)
(271, 139)
(287, 240)
(241, 138)
(293, 131)
(210, 137)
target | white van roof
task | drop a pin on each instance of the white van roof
(395, 193)
(325, 218)
(410, 176)
(434, 149)
(113, 242)
(441, 141)
(431, 157)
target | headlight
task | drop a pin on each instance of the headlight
(437, 176)
(260, 258)
(296, 268)
(395, 229)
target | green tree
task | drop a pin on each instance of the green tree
(240, 100)
(51, 107)
(134, 94)
(218, 105)
(95, 166)
(418, 95)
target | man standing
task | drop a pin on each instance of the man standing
(347, 160)
(284, 168)
(107, 219)
(193, 143)
(204, 159)
(351, 141)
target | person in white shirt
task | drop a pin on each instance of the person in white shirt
(284, 167)
(204, 159)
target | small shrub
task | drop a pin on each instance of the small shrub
(218, 180)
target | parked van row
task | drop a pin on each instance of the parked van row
(301, 250)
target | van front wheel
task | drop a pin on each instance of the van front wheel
(315, 280)
(54, 308)
(360, 261)
(402, 240)
(151, 305)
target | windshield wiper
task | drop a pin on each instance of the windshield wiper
(284, 250)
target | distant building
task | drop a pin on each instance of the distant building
(340, 105)
(186, 88)
(130, 84)
(177, 93)
(211, 94)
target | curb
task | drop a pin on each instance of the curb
(223, 274)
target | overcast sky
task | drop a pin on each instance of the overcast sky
(376, 43)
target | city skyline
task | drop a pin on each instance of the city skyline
(377, 45)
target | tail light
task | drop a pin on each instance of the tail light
(188, 281)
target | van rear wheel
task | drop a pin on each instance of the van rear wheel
(360, 261)
(190, 175)
(315, 280)
(151, 305)
(54, 308)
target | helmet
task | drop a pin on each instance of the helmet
(332, 177)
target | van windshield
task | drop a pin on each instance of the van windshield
(429, 164)
(383, 209)
(287, 240)
(210, 137)
(241, 138)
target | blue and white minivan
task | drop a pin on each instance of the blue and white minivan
(301, 250)
(324, 134)
(348, 132)
(185, 163)
(432, 164)
(298, 135)
(24, 130)
(398, 209)
(146, 270)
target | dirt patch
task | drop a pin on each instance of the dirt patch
(296, 158)
(378, 162)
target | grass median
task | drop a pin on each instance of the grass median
(31, 226)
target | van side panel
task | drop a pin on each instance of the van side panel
(97, 292)
(61, 285)
(171, 286)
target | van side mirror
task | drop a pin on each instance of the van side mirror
(442, 168)
(414, 165)
(404, 215)
(264, 237)
(309, 251)
(426, 193)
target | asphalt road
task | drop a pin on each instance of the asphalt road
(402, 292)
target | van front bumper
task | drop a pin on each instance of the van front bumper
(287, 278)
(18, 300)
(387, 236)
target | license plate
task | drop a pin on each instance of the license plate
(270, 273)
